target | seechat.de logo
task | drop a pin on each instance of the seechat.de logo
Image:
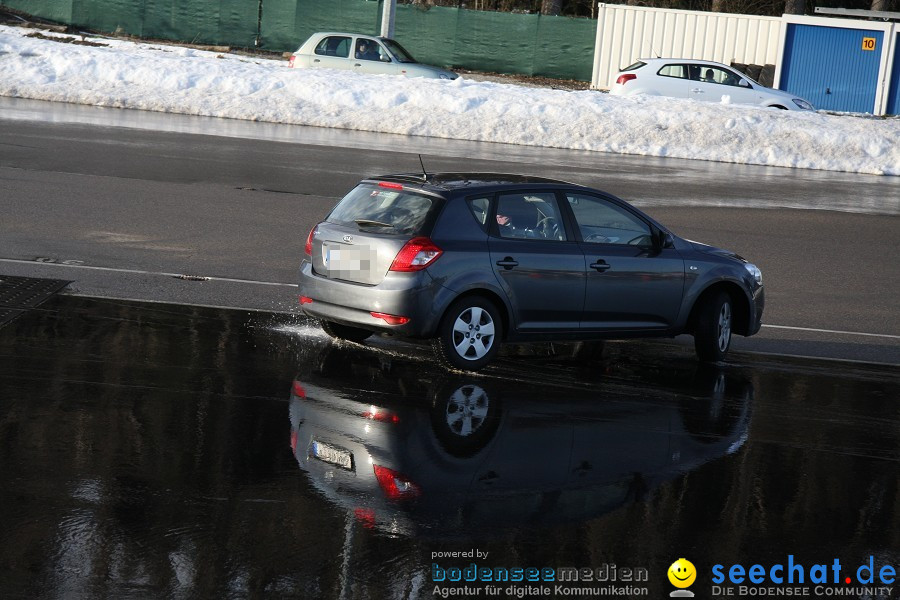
(682, 574)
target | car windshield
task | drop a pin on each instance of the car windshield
(398, 51)
(383, 209)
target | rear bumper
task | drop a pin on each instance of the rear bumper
(413, 295)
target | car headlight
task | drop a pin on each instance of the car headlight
(803, 104)
(754, 272)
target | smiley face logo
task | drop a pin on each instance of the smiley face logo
(682, 573)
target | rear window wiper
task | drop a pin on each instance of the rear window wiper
(371, 223)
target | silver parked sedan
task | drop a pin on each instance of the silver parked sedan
(364, 54)
(472, 260)
(700, 80)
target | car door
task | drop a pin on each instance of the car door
(673, 80)
(332, 52)
(630, 283)
(714, 82)
(536, 262)
(371, 57)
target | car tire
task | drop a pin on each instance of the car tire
(345, 332)
(462, 342)
(464, 418)
(712, 331)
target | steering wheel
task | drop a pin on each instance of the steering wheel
(548, 227)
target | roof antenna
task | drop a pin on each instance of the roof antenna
(424, 173)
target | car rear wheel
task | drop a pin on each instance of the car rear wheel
(345, 332)
(469, 334)
(712, 333)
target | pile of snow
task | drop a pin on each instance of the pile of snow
(183, 80)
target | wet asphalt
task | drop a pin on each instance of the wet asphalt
(154, 450)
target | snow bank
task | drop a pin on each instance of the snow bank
(183, 80)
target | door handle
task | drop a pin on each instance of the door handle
(601, 265)
(357, 65)
(697, 90)
(508, 263)
(316, 60)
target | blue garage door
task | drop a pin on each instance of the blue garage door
(893, 106)
(834, 68)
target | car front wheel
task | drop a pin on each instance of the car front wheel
(469, 334)
(712, 333)
(345, 332)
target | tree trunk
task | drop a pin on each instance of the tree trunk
(880, 5)
(718, 6)
(551, 7)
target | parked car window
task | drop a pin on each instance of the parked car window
(372, 207)
(679, 71)
(634, 66)
(529, 216)
(602, 222)
(710, 74)
(480, 208)
(370, 50)
(399, 52)
(334, 46)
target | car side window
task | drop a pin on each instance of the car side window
(528, 215)
(602, 222)
(678, 71)
(370, 50)
(334, 46)
(711, 74)
(480, 208)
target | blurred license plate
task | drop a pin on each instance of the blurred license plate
(331, 454)
(343, 258)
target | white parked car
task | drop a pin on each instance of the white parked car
(700, 80)
(362, 53)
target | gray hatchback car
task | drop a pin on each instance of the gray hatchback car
(470, 260)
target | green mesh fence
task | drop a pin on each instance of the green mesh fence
(53, 10)
(482, 41)
(287, 23)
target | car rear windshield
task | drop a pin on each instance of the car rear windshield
(378, 209)
(634, 67)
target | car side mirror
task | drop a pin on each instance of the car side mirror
(663, 240)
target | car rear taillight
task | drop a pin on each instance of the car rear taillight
(415, 255)
(305, 300)
(394, 485)
(379, 414)
(309, 238)
(390, 319)
(366, 516)
(298, 390)
(625, 78)
(291, 61)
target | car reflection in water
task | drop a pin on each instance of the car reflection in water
(410, 452)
